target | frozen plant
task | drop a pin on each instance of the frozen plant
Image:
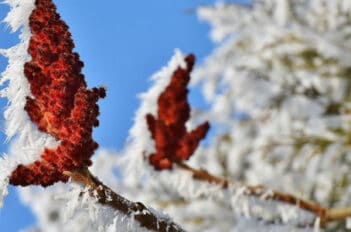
(278, 94)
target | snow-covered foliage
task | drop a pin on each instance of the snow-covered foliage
(279, 80)
(278, 91)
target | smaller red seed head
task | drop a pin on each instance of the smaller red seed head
(173, 142)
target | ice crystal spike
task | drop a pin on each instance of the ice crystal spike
(172, 140)
(60, 105)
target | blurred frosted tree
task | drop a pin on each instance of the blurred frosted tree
(278, 93)
(280, 81)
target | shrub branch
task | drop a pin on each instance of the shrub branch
(136, 210)
(326, 215)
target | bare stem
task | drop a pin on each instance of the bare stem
(137, 210)
(338, 214)
(326, 215)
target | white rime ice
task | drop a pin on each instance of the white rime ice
(29, 142)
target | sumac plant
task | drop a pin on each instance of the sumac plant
(51, 114)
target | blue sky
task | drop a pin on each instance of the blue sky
(121, 43)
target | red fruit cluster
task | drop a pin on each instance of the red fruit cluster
(61, 105)
(173, 142)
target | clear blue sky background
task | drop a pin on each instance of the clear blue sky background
(121, 43)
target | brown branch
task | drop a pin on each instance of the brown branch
(325, 214)
(138, 211)
(149, 220)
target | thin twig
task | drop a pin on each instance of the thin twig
(137, 210)
(325, 214)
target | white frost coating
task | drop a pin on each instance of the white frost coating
(282, 11)
(348, 223)
(30, 142)
(72, 203)
(6, 167)
(122, 223)
(317, 225)
(18, 17)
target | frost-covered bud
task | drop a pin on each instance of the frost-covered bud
(172, 140)
(60, 105)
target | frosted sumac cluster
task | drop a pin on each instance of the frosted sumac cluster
(172, 141)
(60, 105)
